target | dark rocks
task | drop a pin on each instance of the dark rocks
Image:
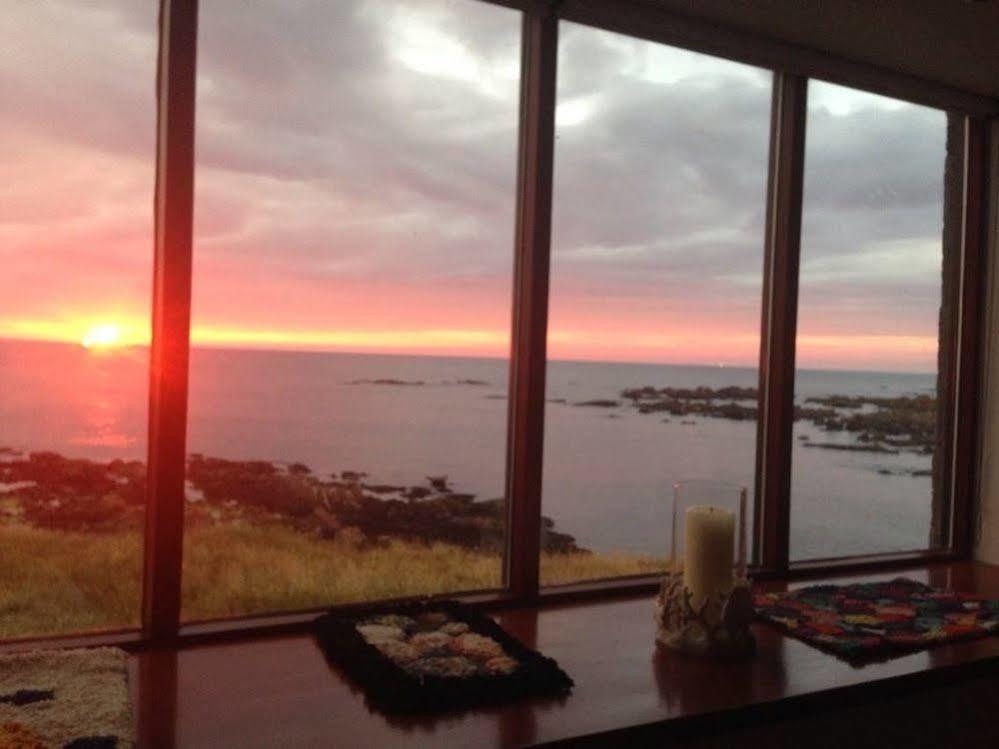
(383, 488)
(905, 422)
(599, 404)
(700, 401)
(901, 423)
(249, 484)
(734, 412)
(438, 482)
(688, 394)
(863, 448)
(388, 381)
(60, 493)
(837, 401)
(82, 495)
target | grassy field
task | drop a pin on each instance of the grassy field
(58, 582)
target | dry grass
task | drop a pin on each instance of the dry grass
(557, 569)
(53, 581)
(235, 570)
(58, 582)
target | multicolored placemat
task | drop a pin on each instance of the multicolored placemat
(435, 656)
(874, 621)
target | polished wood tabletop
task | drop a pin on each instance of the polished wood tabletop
(280, 691)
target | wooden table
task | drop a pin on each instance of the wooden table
(280, 692)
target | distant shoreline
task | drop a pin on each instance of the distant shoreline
(466, 357)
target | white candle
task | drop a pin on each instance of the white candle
(708, 554)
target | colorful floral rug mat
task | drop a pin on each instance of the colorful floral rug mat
(77, 699)
(434, 657)
(866, 622)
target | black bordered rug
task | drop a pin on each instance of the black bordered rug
(434, 657)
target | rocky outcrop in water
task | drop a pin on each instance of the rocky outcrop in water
(701, 401)
(902, 423)
(881, 425)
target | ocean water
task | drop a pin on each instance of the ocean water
(608, 472)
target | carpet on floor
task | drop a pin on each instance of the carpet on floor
(72, 699)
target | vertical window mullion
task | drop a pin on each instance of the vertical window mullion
(967, 374)
(530, 303)
(779, 323)
(171, 318)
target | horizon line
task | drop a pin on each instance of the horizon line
(344, 352)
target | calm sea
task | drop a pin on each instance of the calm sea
(607, 471)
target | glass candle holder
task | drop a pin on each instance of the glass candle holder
(708, 535)
(705, 605)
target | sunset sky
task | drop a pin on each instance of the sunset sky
(355, 189)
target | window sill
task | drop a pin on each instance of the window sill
(278, 689)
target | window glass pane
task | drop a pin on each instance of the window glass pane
(656, 281)
(78, 131)
(352, 282)
(869, 311)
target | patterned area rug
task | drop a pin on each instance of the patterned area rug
(434, 657)
(874, 621)
(77, 699)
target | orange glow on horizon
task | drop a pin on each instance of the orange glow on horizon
(483, 341)
(724, 347)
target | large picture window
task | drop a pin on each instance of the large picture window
(352, 259)
(868, 325)
(656, 278)
(77, 166)
(447, 294)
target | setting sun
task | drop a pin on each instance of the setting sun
(102, 336)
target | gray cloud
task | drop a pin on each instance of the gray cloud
(374, 140)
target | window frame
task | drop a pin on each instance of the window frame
(792, 67)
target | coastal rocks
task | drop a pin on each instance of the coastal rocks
(690, 394)
(253, 483)
(388, 381)
(876, 448)
(468, 381)
(699, 401)
(599, 404)
(60, 493)
(51, 491)
(439, 483)
(881, 425)
(383, 488)
(905, 423)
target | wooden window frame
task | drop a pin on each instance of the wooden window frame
(792, 67)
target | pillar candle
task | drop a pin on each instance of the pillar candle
(708, 553)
